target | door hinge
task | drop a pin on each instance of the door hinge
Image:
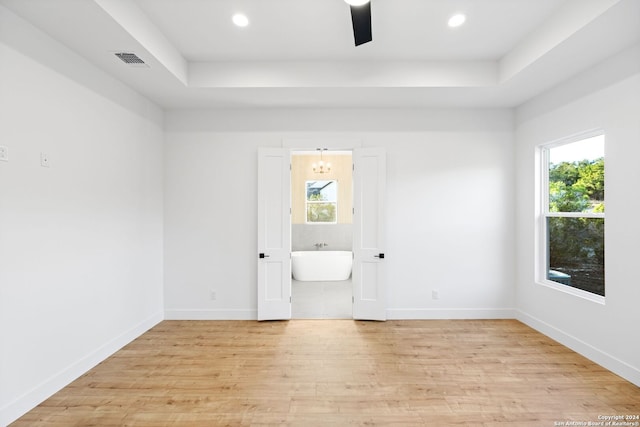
(289, 299)
(353, 299)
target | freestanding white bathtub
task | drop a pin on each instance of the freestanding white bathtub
(321, 266)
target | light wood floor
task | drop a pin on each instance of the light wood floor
(340, 372)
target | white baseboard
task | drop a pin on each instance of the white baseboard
(456, 313)
(23, 404)
(602, 358)
(223, 314)
(392, 314)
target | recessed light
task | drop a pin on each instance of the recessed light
(457, 20)
(240, 20)
(357, 2)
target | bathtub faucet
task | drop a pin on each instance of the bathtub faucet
(320, 245)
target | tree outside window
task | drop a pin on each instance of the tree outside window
(322, 202)
(574, 214)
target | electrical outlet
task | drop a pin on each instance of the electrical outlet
(435, 294)
(44, 160)
(212, 295)
(4, 153)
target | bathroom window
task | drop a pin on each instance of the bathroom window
(322, 202)
(572, 220)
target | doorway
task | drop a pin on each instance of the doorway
(274, 270)
(321, 221)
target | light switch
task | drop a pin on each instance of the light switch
(4, 153)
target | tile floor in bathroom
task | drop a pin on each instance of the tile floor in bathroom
(321, 300)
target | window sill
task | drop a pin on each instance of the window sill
(573, 291)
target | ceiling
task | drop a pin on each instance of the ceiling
(300, 53)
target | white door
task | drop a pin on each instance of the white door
(274, 234)
(369, 290)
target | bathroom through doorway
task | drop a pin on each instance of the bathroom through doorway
(274, 241)
(321, 234)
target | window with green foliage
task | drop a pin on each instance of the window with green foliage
(322, 202)
(573, 213)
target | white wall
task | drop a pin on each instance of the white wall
(81, 240)
(606, 97)
(450, 223)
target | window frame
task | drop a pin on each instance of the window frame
(308, 202)
(542, 209)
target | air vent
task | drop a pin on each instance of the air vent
(130, 58)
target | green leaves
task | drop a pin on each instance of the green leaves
(576, 244)
(321, 212)
(576, 247)
(567, 199)
(577, 186)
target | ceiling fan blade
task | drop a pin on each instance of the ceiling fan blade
(361, 19)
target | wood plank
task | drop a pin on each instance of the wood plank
(339, 372)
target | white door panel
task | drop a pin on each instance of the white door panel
(274, 234)
(369, 287)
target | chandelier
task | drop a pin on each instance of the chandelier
(321, 166)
